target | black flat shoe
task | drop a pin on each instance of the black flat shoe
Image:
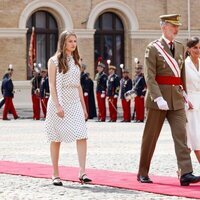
(144, 179)
(57, 182)
(84, 179)
(189, 178)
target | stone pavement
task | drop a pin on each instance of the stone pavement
(111, 146)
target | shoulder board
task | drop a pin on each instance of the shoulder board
(151, 43)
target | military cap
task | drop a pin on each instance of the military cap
(171, 18)
(101, 65)
(111, 67)
(10, 67)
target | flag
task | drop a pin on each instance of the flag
(32, 50)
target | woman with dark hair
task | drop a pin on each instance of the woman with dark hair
(192, 67)
(66, 110)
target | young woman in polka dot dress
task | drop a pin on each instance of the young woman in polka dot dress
(66, 110)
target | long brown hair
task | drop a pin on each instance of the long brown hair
(61, 55)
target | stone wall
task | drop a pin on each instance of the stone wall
(142, 28)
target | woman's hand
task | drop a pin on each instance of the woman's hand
(60, 111)
(86, 115)
(190, 105)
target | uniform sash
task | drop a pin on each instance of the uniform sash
(170, 61)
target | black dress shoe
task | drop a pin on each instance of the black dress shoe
(144, 179)
(186, 179)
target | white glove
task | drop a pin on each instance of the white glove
(103, 95)
(85, 94)
(162, 104)
(133, 95)
(128, 98)
(115, 96)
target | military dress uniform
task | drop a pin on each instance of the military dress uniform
(140, 90)
(8, 94)
(44, 94)
(113, 86)
(35, 91)
(85, 88)
(163, 86)
(101, 95)
(125, 85)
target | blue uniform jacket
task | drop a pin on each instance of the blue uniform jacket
(101, 82)
(7, 87)
(125, 85)
(44, 87)
(113, 85)
(139, 85)
(84, 82)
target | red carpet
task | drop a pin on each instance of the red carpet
(162, 185)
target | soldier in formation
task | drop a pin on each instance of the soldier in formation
(113, 86)
(101, 88)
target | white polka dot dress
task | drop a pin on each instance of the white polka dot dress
(73, 126)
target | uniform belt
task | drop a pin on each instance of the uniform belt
(168, 80)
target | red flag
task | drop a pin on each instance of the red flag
(32, 50)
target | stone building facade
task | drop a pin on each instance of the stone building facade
(139, 18)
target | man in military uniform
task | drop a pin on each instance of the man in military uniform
(165, 79)
(35, 91)
(85, 86)
(139, 86)
(44, 90)
(8, 94)
(101, 78)
(113, 85)
(125, 86)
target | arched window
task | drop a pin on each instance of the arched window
(109, 40)
(46, 34)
